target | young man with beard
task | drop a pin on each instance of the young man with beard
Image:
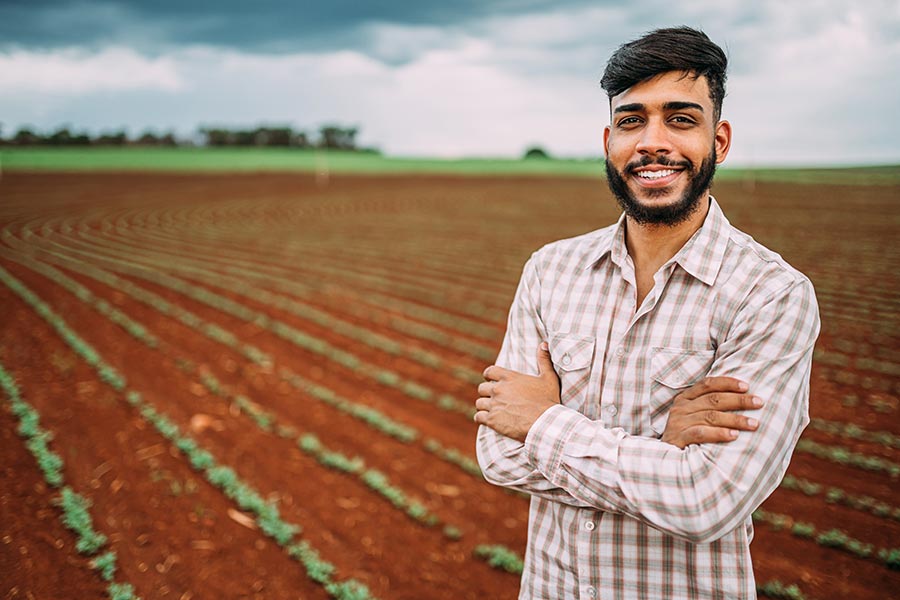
(654, 377)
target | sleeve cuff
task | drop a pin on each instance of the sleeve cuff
(547, 438)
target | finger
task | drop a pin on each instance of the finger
(707, 434)
(727, 402)
(729, 420)
(483, 404)
(545, 363)
(714, 384)
(486, 388)
(481, 417)
(495, 373)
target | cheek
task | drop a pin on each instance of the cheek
(617, 149)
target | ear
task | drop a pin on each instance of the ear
(606, 131)
(723, 140)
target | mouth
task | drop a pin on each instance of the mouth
(655, 177)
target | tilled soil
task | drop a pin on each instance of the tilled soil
(454, 246)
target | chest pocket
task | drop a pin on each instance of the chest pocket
(672, 371)
(572, 356)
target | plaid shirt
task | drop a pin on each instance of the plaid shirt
(615, 512)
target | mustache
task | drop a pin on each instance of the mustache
(661, 161)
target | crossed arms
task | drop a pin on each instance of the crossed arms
(688, 484)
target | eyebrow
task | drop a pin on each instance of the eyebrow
(673, 105)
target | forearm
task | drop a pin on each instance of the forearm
(698, 494)
(504, 462)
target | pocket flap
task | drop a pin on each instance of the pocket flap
(571, 352)
(678, 368)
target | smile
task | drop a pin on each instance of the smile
(656, 174)
(656, 178)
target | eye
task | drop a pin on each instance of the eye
(683, 120)
(628, 121)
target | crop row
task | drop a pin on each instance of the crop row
(363, 304)
(220, 476)
(74, 507)
(855, 432)
(296, 337)
(867, 382)
(346, 276)
(832, 538)
(299, 309)
(327, 457)
(263, 419)
(219, 335)
(844, 456)
(863, 363)
(366, 414)
(877, 402)
(267, 421)
(878, 346)
(502, 558)
(836, 495)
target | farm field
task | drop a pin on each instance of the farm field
(260, 385)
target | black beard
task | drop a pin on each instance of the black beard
(670, 215)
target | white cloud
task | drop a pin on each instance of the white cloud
(804, 88)
(74, 72)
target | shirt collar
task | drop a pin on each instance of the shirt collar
(701, 256)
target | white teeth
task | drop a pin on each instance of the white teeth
(655, 174)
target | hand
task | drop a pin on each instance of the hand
(703, 413)
(510, 402)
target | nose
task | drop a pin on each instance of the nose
(654, 138)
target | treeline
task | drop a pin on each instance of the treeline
(333, 137)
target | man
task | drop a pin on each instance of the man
(633, 354)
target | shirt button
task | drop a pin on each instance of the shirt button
(566, 359)
(589, 525)
(620, 351)
(612, 410)
(592, 592)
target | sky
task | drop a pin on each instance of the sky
(811, 82)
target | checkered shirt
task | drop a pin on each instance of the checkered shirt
(615, 512)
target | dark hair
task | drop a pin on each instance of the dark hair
(664, 50)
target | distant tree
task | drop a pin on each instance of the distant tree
(536, 152)
(25, 137)
(279, 136)
(300, 140)
(338, 138)
(117, 138)
(148, 138)
(168, 140)
(60, 137)
(216, 137)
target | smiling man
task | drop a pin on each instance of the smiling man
(654, 377)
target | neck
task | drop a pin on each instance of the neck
(650, 245)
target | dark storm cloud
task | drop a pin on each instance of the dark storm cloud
(261, 26)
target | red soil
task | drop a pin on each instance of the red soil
(447, 229)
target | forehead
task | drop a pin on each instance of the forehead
(672, 86)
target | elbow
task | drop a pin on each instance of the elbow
(705, 525)
(488, 467)
(495, 459)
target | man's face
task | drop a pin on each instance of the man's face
(662, 147)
